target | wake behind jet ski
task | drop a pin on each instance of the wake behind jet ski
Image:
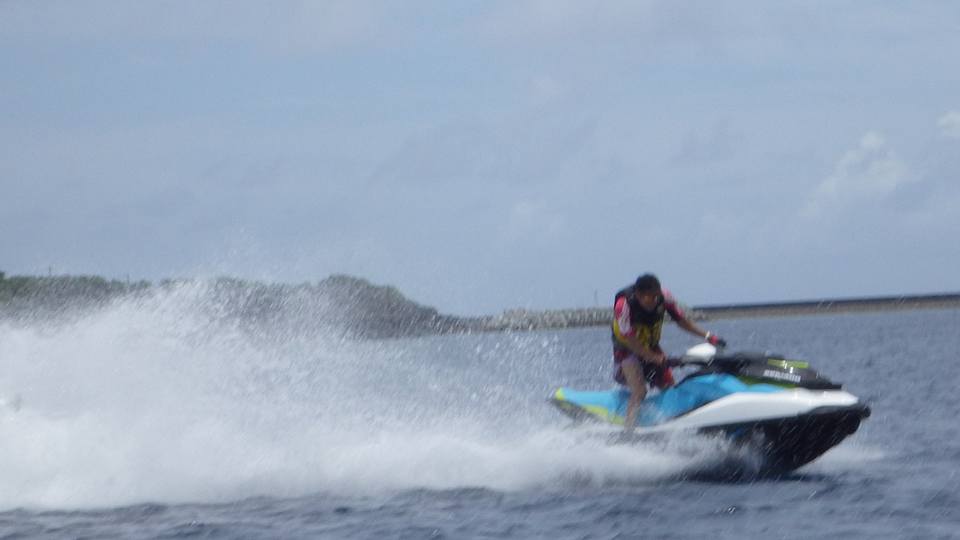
(783, 408)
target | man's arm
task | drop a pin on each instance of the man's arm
(682, 321)
(688, 325)
(710, 337)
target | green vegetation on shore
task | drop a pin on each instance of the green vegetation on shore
(345, 304)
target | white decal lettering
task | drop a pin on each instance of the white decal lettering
(781, 375)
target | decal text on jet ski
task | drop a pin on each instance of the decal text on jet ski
(781, 375)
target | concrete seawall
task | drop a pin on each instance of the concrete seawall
(519, 319)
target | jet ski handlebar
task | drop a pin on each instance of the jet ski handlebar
(686, 361)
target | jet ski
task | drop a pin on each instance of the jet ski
(784, 409)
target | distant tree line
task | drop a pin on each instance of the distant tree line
(347, 304)
(19, 294)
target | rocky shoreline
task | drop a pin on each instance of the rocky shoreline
(337, 305)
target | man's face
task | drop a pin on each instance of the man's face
(648, 299)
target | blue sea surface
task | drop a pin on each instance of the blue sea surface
(146, 422)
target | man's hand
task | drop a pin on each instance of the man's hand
(716, 340)
(656, 358)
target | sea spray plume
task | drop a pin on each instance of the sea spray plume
(166, 397)
(172, 396)
(337, 304)
(342, 305)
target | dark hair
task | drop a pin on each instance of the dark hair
(647, 282)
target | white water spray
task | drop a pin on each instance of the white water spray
(159, 400)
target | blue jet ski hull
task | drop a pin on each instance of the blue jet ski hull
(611, 405)
(811, 423)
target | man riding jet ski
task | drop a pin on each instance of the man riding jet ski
(795, 414)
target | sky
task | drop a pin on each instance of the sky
(484, 156)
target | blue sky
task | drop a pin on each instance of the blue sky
(482, 156)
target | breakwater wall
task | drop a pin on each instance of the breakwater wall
(521, 319)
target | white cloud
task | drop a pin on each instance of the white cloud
(868, 173)
(950, 124)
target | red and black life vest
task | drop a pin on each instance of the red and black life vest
(648, 324)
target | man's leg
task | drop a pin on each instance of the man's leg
(638, 390)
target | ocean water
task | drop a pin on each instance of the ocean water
(157, 419)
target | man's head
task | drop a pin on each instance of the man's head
(647, 291)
